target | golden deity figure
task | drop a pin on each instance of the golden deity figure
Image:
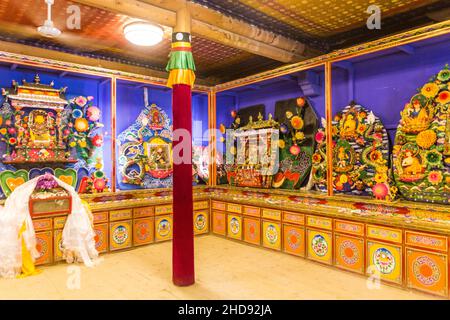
(39, 123)
(348, 127)
(342, 157)
(415, 117)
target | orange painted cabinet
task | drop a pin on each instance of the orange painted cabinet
(427, 262)
(252, 230)
(294, 240)
(349, 251)
(219, 223)
(101, 237)
(44, 246)
(143, 231)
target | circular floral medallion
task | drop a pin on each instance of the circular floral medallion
(200, 222)
(271, 234)
(426, 271)
(120, 235)
(235, 226)
(142, 229)
(349, 252)
(293, 237)
(319, 245)
(164, 227)
(384, 261)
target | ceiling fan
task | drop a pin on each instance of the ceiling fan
(48, 29)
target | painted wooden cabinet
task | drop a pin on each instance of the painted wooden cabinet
(271, 234)
(234, 226)
(219, 223)
(252, 230)
(143, 231)
(120, 235)
(163, 227)
(294, 239)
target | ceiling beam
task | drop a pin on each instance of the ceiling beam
(208, 24)
(21, 49)
(215, 18)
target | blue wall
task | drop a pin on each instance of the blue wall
(77, 84)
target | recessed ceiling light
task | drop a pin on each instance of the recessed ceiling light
(143, 34)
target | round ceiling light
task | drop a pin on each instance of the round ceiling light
(143, 34)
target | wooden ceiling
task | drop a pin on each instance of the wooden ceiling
(282, 31)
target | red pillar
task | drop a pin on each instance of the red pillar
(183, 230)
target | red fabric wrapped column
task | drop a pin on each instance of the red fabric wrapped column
(181, 79)
(183, 231)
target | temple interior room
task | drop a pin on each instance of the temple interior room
(224, 150)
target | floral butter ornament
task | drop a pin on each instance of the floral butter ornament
(421, 154)
(360, 155)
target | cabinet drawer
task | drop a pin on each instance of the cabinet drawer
(165, 209)
(100, 217)
(319, 222)
(143, 212)
(219, 205)
(234, 208)
(349, 227)
(294, 218)
(425, 240)
(120, 214)
(43, 224)
(384, 233)
(199, 205)
(271, 214)
(59, 222)
(252, 211)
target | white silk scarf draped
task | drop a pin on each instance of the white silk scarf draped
(77, 238)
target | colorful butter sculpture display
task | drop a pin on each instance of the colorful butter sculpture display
(145, 151)
(421, 155)
(42, 132)
(296, 144)
(254, 152)
(269, 153)
(360, 155)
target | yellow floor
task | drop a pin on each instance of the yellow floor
(225, 270)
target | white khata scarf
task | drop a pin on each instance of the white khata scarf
(77, 238)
